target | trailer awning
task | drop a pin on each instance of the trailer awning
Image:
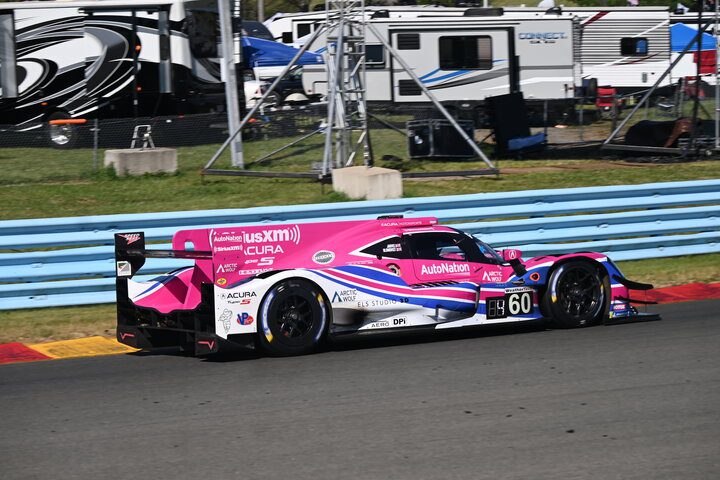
(681, 35)
(258, 52)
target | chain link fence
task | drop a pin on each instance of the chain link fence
(575, 128)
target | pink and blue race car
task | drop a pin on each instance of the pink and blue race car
(288, 288)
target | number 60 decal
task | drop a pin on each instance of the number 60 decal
(520, 303)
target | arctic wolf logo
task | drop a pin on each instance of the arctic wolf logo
(131, 237)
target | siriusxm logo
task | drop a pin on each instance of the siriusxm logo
(274, 235)
(544, 36)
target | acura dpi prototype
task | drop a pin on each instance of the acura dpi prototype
(288, 288)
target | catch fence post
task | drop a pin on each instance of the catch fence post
(95, 145)
(615, 111)
(582, 116)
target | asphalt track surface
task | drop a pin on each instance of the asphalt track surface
(637, 401)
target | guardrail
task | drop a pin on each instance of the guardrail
(627, 222)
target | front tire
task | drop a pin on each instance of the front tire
(294, 318)
(577, 295)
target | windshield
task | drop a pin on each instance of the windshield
(488, 252)
(476, 250)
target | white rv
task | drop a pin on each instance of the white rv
(292, 28)
(624, 47)
(466, 59)
(108, 59)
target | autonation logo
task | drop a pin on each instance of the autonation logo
(439, 268)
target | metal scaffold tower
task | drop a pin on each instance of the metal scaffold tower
(346, 130)
(347, 109)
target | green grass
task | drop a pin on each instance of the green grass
(47, 324)
(40, 182)
(663, 272)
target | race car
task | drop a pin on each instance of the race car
(288, 288)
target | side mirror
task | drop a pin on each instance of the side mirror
(511, 254)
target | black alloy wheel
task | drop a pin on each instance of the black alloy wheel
(577, 295)
(293, 318)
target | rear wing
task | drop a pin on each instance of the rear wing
(130, 253)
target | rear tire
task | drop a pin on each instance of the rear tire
(294, 318)
(275, 98)
(577, 295)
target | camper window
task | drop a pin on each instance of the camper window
(255, 29)
(374, 55)
(466, 53)
(202, 28)
(408, 41)
(303, 29)
(634, 46)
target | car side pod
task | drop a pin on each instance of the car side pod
(634, 316)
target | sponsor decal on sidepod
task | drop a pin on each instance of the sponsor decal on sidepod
(439, 268)
(225, 319)
(323, 257)
(245, 319)
(492, 276)
(275, 235)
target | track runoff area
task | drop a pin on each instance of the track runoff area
(99, 346)
(634, 401)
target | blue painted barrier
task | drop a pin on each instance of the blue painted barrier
(628, 222)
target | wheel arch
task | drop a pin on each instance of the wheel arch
(563, 260)
(294, 274)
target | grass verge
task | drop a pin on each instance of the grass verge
(47, 324)
(41, 183)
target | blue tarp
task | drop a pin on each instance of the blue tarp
(258, 52)
(681, 35)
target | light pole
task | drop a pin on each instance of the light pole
(229, 72)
